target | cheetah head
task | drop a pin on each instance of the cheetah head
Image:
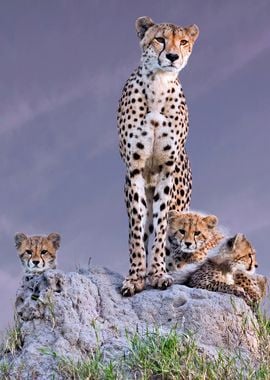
(190, 231)
(37, 253)
(241, 252)
(166, 47)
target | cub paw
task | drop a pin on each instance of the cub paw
(160, 281)
(131, 286)
(240, 292)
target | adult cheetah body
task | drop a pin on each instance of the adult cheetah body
(153, 127)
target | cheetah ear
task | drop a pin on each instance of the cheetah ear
(142, 25)
(19, 238)
(235, 239)
(55, 238)
(174, 217)
(172, 214)
(193, 31)
(211, 221)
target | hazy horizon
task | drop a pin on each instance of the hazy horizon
(63, 66)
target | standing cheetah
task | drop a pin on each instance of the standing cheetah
(153, 127)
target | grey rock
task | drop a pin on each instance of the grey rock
(72, 313)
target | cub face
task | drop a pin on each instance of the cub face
(166, 47)
(190, 230)
(37, 253)
(241, 252)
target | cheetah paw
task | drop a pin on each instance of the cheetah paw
(160, 281)
(240, 292)
(132, 285)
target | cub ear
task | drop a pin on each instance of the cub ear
(173, 215)
(193, 31)
(142, 24)
(174, 218)
(211, 221)
(19, 238)
(235, 239)
(55, 238)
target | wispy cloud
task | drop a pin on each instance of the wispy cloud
(229, 45)
(26, 110)
(99, 85)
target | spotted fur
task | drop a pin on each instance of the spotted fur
(153, 127)
(190, 238)
(37, 253)
(232, 271)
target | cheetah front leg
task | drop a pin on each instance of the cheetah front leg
(157, 275)
(137, 213)
(216, 286)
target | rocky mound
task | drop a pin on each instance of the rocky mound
(65, 312)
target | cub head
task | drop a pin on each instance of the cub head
(37, 253)
(242, 253)
(190, 231)
(166, 47)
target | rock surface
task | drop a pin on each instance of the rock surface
(65, 312)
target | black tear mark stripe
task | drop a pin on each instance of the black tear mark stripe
(161, 52)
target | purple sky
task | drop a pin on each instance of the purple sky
(63, 65)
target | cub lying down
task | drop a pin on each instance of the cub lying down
(232, 270)
(198, 255)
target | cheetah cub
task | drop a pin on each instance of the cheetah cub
(232, 271)
(153, 127)
(190, 238)
(37, 253)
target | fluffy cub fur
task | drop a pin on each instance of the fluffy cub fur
(37, 253)
(232, 271)
(190, 237)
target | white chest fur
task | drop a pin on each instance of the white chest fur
(156, 88)
(161, 142)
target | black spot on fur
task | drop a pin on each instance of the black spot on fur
(156, 197)
(140, 145)
(136, 156)
(166, 190)
(134, 172)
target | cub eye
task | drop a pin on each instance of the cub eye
(183, 42)
(196, 233)
(160, 40)
(43, 252)
(28, 251)
(182, 232)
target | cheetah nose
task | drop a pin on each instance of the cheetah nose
(188, 244)
(35, 262)
(172, 57)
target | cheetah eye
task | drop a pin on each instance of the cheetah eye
(29, 252)
(43, 252)
(197, 233)
(183, 42)
(182, 232)
(160, 40)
